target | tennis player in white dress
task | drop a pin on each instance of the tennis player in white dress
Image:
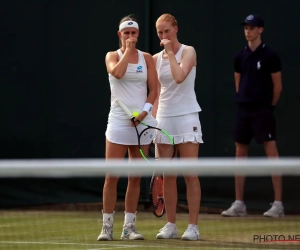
(177, 112)
(130, 73)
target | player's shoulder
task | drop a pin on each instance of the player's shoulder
(189, 47)
(189, 50)
(112, 54)
(155, 56)
(146, 54)
(148, 57)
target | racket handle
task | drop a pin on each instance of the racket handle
(122, 105)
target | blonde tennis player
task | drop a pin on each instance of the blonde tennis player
(177, 112)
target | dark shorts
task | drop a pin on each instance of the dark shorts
(254, 122)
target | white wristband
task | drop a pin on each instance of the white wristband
(147, 107)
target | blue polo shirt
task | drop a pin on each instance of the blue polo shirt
(256, 67)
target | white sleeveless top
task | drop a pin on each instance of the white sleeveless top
(175, 99)
(131, 89)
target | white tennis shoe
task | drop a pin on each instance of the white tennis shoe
(275, 211)
(130, 232)
(169, 231)
(106, 232)
(191, 233)
(236, 210)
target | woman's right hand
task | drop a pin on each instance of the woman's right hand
(130, 43)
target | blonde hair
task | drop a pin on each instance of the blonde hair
(126, 18)
(168, 18)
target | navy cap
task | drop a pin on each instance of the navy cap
(254, 20)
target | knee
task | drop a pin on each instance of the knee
(111, 181)
(135, 181)
(191, 180)
(271, 149)
(241, 150)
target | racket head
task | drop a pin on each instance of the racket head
(156, 144)
(156, 195)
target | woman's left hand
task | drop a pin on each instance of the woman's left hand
(139, 118)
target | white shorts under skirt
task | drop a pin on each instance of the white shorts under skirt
(125, 134)
(183, 128)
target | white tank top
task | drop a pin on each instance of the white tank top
(131, 89)
(175, 99)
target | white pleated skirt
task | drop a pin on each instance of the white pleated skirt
(183, 128)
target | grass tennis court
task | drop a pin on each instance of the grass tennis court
(79, 230)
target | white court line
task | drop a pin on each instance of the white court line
(62, 243)
(110, 246)
(227, 248)
(113, 246)
(116, 247)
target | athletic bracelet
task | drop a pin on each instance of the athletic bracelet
(147, 107)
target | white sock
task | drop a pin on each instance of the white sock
(239, 202)
(108, 218)
(277, 203)
(129, 218)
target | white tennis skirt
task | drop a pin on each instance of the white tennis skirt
(183, 128)
(125, 134)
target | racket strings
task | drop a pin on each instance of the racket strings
(156, 145)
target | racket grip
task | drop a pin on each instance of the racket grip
(123, 106)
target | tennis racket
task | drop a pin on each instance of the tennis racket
(154, 144)
(156, 192)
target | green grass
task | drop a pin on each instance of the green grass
(79, 230)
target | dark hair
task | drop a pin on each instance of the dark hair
(127, 18)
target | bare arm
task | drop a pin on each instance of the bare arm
(277, 87)
(180, 72)
(152, 77)
(155, 105)
(237, 78)
(114, 66)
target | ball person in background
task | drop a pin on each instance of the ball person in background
(257, 74)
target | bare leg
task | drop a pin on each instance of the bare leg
(113, 151)
(170, 192)
(133, 187)
(170, 197)
(241, 152)
(272, 152)
(193, 189)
